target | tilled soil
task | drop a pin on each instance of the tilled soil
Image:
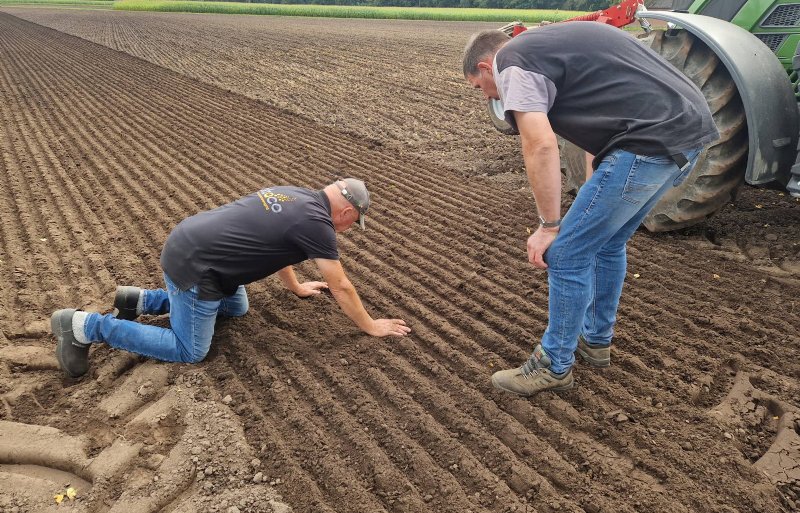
(104, 151)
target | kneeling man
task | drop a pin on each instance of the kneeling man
(209, 257)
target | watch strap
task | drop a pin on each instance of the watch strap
(549, 224)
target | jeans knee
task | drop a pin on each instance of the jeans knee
(239, 312)
(193, 351)
(194, 356)
(197, 357)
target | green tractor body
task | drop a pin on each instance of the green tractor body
(775, 23)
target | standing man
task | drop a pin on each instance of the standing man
(207, 260)
(645, 124)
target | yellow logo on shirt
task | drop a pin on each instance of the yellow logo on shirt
(272, 200)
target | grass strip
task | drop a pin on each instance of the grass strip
(345, 11)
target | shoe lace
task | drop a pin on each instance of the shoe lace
(531, 367)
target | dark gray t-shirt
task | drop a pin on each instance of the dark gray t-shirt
(249, 239)
(602, 89)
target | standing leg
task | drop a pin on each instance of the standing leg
(610, 202)
(611, 260)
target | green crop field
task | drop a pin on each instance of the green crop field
(341, 11)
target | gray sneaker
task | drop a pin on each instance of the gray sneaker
(596, 356)
(72, 356)
(534, 376)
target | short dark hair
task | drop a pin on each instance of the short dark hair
(481, 45)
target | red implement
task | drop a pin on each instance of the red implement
(624, 13)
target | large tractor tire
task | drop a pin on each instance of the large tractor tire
(495, 110)
(721, 168)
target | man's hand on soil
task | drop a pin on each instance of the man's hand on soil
(310, 288)
(389, 327)
(538, 244)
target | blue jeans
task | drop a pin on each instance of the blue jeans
(191, 320)
(587, 261)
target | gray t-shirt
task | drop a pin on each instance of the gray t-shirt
(602, 89)
(249, 239)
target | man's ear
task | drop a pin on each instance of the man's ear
(486, 66)
(345, 213)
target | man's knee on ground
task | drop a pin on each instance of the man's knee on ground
(238, 312)
(237, 309)
(193, 353)
(196, 357)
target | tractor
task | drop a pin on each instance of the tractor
(743, 55)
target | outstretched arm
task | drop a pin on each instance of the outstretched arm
(306, 289)
(346, 296)
(540, 152)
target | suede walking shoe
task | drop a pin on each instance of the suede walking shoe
(533, 377)
(72, 356)
(126, 301)
(596, 356)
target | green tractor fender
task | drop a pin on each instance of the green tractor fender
(769, 103)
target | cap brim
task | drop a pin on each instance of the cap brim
(361, 221)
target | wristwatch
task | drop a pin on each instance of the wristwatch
(549, 224)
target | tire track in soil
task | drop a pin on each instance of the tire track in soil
(457, 343)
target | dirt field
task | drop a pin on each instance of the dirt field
(110, 138)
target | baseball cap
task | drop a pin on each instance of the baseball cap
(355, 191)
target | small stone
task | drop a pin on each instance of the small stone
(686, 445)
(344, 361)
(233, 509)
(258, 477)
(227, 399)
(208, 485)
(209, 471)
(154, 461)
(728, 436)
(428, 498)
(771, 237)
(196, 450)
(255, 463)
(621, 418)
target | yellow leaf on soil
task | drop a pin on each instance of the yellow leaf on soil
(72, 493)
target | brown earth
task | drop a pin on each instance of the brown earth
(106, 146)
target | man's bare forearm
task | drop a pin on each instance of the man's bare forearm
(542, 165)
(348, 300)
(289, 278)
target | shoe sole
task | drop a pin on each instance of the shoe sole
(121, 306)
(562, 388)
(594, 362)
(57, 321)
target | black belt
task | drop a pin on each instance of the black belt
(680, 160)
